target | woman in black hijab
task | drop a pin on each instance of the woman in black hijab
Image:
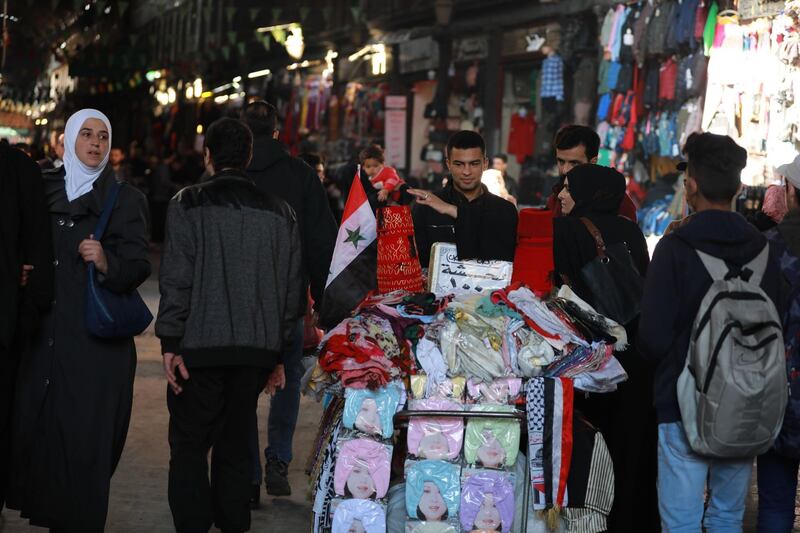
(625, 417)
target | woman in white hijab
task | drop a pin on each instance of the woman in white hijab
(75, 390)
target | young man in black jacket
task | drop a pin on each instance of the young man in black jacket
(231, 287)
(675, 285)
(482, 225)
(293, 181)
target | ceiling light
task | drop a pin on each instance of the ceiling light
(259, 73)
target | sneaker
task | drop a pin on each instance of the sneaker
(276, 477)
(255, 496)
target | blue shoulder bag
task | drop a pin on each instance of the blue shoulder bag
(111, 315)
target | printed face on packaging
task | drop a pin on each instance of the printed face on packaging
(356, 527)
(488, 517)
(368, 419)
(431, 504)
(360, 483)
(434, 444)
(491, 453)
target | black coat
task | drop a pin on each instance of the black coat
(75, 391)
(293, 181)
(486, 227)
(24, 239)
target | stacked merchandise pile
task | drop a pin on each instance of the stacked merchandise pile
(652, 78)
(463, 353)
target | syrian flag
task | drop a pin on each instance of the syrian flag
(353, 272)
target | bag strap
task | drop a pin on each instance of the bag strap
(752, 272)
(599, 243)
(108, 206)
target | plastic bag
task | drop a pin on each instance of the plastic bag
(500, 391)
(491, 443)
(433, 490)
(359, 516)
(372, 412)
(435, 438)
(416, 526)
(362, 469)
(487, 502)
(450, 388)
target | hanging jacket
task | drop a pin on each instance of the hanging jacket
(686, 24)
(667, 79)
(627, 38)
(658, 28)
(642, 18)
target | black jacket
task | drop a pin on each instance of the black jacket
(292, 180)
(230, 277)
(486, 228)
(675, 285)
(24, 239)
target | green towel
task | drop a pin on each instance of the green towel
(710, 30)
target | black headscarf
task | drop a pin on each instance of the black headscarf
(596, 190)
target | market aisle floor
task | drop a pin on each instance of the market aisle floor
(139, 487)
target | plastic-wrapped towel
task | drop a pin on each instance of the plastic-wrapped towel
(433, 490)
(362, 469)
(359, 515)
(487, 502)
(492, 443)
(372, 412)
(435, 438)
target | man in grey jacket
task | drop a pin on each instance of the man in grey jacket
(230, 286)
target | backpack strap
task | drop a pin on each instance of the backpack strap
(108, 206)
(752, 272)
(758, 266)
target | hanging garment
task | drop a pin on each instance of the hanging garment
(640, 33)
(667, 80)
(398, 260)
(552, 78)
(522, 136)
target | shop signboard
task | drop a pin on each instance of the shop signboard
(471, 48)
(418, 54)
(395, 131)
(530, 40)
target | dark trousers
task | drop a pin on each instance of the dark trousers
(8, 379)
(777, 489)
(214, 410)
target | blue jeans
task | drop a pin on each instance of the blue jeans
(682, 476)
(777, 487)
(283, 409)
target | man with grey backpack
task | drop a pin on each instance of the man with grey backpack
(710, 323)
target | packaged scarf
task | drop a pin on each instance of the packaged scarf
(489, 442)
(487, 502)
(499, 391)
(433, 490)
(362, 469)
(435, 438)
(372, 412)
(359, 515)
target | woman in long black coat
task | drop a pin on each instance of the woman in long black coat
(75, 391)
(626, 418)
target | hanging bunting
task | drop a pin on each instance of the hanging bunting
(230, 12)
(242, 48)
(356, 11)
(276, 14)
(77, 5)
(326, 14)
(254, 11)
(266, 41)
(279, 34)
(123, 7)
(101, 6)
(304, 11)
(55, 3)
(226, 52)
(232, 37)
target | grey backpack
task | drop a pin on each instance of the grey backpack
(732, 391)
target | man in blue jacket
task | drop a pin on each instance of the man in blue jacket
(676, 283)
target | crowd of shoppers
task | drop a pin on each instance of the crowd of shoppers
(246, 254)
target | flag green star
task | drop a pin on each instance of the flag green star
(354, 236)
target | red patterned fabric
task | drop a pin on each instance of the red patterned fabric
(398, 261)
